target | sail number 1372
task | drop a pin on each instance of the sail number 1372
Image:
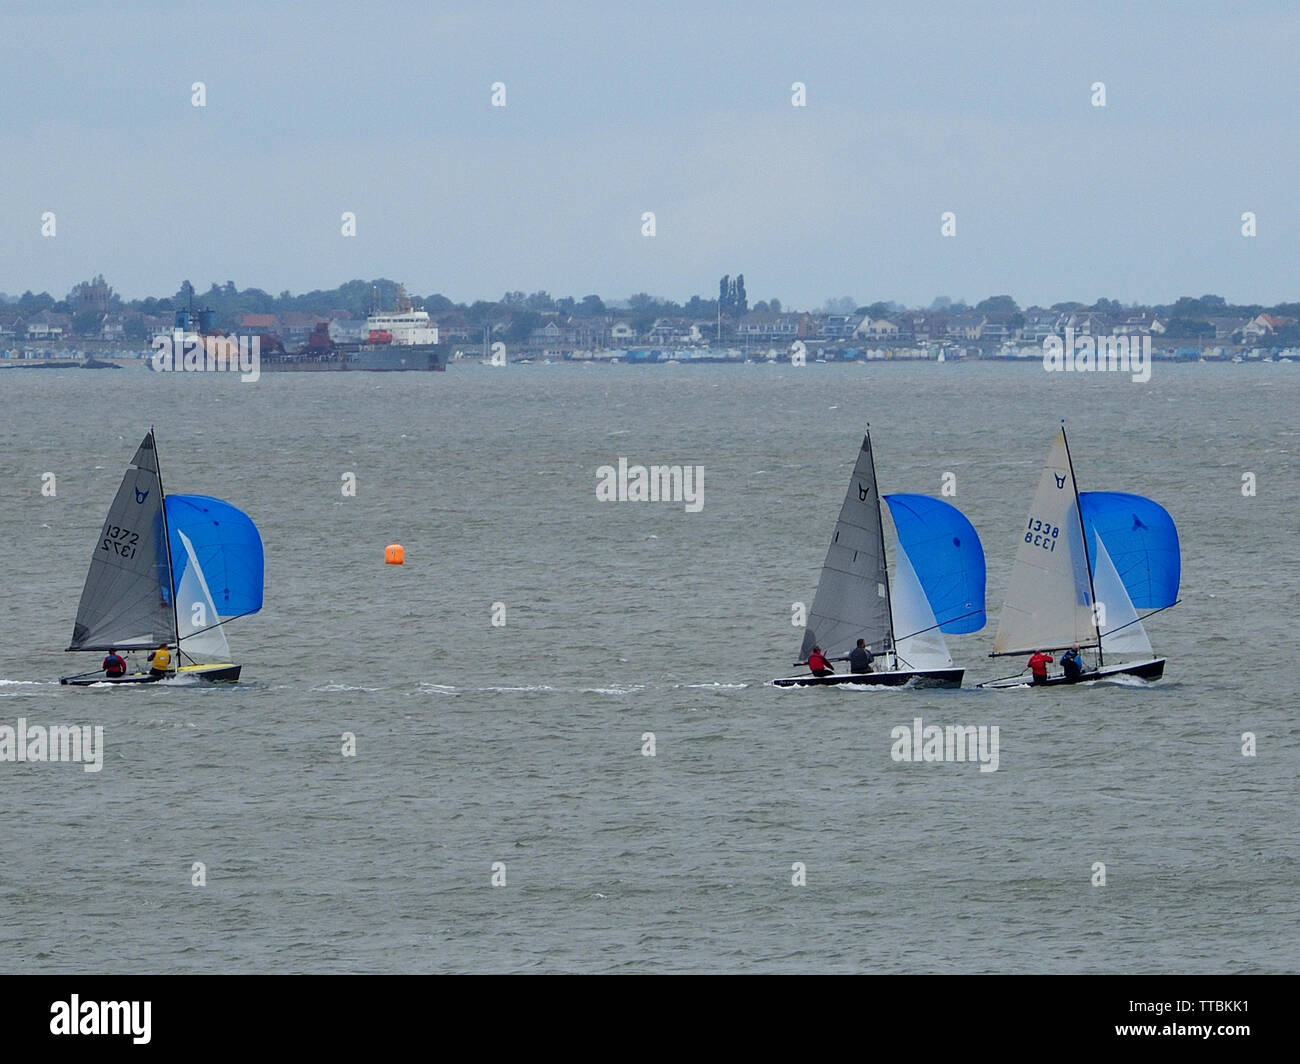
(1042, 534)
(120, 541)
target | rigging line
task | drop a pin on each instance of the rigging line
(166, 537)
(880, 528)
(1083, 533)
(940, 624)
(218, 624)
(1139, 620)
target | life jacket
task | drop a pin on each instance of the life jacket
(1038, 664)
(817, 660)
(162, 659)
(114, 665)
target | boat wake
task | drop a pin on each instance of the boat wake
(330, 688)
(617, 690)
(1122, 680)
(517, 690)
(910, 685)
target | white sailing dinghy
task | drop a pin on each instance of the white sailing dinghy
(1086, 563)
(938, 587)
(168, 570)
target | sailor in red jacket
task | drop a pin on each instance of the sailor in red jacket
(113, 665)
(1038, 666)
(818, 664)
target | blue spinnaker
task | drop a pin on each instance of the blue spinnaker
(227, 545)
(1141, 540)
(947, 556)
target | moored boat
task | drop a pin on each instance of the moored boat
(401, 339)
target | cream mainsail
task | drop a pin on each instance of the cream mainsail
(1048, 603)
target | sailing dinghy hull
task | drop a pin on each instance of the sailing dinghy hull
(1143, 670)
(85, 679)
(215, 673)
(899, 678)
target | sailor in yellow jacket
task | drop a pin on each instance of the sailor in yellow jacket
(160, 661)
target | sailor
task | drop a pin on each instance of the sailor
(818, 664)
(160, 661)
(860, 658)
(1038, 666)
(1071, 664)
(114, 665)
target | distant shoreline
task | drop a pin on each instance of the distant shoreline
(129, 361)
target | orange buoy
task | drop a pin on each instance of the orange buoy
(394, 554)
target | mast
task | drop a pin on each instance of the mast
(167, 544)
(880, 525)
(1083, 533)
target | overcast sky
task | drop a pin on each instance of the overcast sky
(683, 109)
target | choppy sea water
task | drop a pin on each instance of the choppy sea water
(523, 744)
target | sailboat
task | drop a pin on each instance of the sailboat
(1087, 562)
(168, 569)
(938, 587)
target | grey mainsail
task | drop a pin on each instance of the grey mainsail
(126, 603)
(852, 600)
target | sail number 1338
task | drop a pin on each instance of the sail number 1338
(120, 541)
(1042, 534)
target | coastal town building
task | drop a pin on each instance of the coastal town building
(765, 326)
(259, 324)
(840, 326)
(965, 326)
(1140, 323)
(923, 326)
(1228, 329)
(1263, 325)
(49, 325)
(457, 328)
(879, 329)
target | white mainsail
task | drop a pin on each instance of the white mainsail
(202, 638)
(919, 642)
(1048, 601)
(1122, 633)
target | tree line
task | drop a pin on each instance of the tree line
(1187, 316)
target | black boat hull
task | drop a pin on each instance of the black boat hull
(899, 678)
(1143, 670)
(217, 673)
